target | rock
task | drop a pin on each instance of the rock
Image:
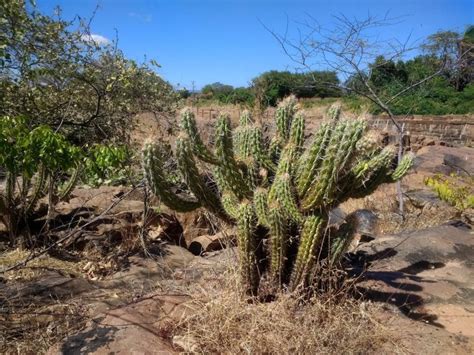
(461, 163)
(50, 286)
(422, 198)
(367, 222)
(437, 159)
(427, 274)
(137, 328)
(208, 243)
(336, 217)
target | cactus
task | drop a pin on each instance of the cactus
(281, 192)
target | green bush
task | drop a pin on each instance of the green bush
(456, 190)
(36, 161)
(106, 164)
(272, 86)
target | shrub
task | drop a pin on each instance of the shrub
(105, 164)
(279, 194)
(456, 190)
(36, 162)
(56, 74)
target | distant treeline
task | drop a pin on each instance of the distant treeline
(451, 91)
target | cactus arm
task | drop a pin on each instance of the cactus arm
(334, 112)
(247, 247)
(195, 182)
(311, 159)
(38, 189)
(314, 196)
(188, 125)
(366, 175)
(310, 240)
(153, 168)
(230, 204)
(297, 131)
(228, 167)
(278, 240)
(352, 134)
(261, 205)
(403, 166)
(242, 135)
(257, 149)
(71, 184)
(281, 191)
(284, 117)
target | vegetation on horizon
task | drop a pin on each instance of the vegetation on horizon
(450, 90)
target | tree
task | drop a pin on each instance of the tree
(349, 48)
(454, 50)
(57, 73)
(242, 96)
(217, 91)
(272, 86)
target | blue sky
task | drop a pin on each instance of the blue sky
(209, 40)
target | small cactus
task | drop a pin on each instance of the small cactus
(283, 188)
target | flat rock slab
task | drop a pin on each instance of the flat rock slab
(138, 328)
(427, 274)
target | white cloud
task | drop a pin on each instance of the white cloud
(98, 39)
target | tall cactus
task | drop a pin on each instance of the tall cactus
(282, 191)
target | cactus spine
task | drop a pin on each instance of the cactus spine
(281, 192)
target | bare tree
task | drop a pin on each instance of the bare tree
(355, 49)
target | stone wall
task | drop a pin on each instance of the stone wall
(454, 130)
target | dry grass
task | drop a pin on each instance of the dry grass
(31, 325)
(34, 328)
(227, 323)
(36, 266)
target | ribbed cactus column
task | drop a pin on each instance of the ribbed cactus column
(153, 163)
(246, 224)
(278, 194)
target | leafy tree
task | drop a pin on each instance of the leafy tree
(272, 86)
(217, 91)
(184, 93)
(456, 51)
(242, 96)
(56, 73)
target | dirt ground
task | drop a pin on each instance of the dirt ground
(110, 293)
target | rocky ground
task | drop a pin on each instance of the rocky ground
(119, 285)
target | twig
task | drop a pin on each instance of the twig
(34, 255)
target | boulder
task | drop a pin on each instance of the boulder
(427, 274)
(445, 160)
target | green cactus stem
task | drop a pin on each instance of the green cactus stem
(188, 125)
(195, 181)
(279, 194)
(228, 167)
(153, 163)
(310, 240)
(247, 247)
